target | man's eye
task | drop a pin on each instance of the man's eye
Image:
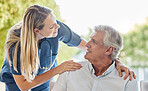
(93, 41)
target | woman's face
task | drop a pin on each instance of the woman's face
(50, 28)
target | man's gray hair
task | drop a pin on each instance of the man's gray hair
(111, 38)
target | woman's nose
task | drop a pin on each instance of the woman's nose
(57, 26)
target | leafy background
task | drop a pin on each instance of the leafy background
(11, 12)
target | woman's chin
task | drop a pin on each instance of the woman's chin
(55, 35)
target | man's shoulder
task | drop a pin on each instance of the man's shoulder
(84, 62)
(85, 68)
(115, 73)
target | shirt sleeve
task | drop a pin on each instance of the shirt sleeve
(67, 36)
(45, 54)
(11, 56)
(61, 83)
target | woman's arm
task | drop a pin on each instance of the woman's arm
(82, 45)
(25, 85)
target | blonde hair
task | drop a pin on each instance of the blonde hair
(34, 17)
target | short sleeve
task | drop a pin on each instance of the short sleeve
(11, 55)
(67, 36)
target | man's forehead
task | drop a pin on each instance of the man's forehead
(97, 34)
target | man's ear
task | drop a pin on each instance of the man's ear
(109, 50)
(36, 30)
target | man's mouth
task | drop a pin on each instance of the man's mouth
(88, 51)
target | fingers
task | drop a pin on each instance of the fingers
(119, 71)
(132, 74)
(121, 67)
(73, 66)
(126, 73)
(72, 69)
(69, 66)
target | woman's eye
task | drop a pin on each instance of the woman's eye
(52, 26)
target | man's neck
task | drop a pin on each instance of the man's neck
(100, 68)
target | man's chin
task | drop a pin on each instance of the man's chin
(86, 56)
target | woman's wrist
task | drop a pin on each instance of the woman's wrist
(117, 61)
(57, 70)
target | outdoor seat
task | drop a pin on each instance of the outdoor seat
(143, 85)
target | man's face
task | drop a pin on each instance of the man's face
(95, 47)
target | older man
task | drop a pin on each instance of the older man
(99, 72)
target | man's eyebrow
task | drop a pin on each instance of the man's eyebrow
(93, 39)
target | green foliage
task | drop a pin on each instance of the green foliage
(65, 52)
(135, 51)
(11, 12)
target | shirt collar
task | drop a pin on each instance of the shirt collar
(109, 70)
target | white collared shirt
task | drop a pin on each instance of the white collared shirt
(85, 80)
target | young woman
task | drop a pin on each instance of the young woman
(31, 50)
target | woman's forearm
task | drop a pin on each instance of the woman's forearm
(82, 45)
(40, 79)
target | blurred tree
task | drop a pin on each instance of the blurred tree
(135, 51)
(11, 12)
(65, 53)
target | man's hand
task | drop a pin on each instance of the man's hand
(121, 67)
